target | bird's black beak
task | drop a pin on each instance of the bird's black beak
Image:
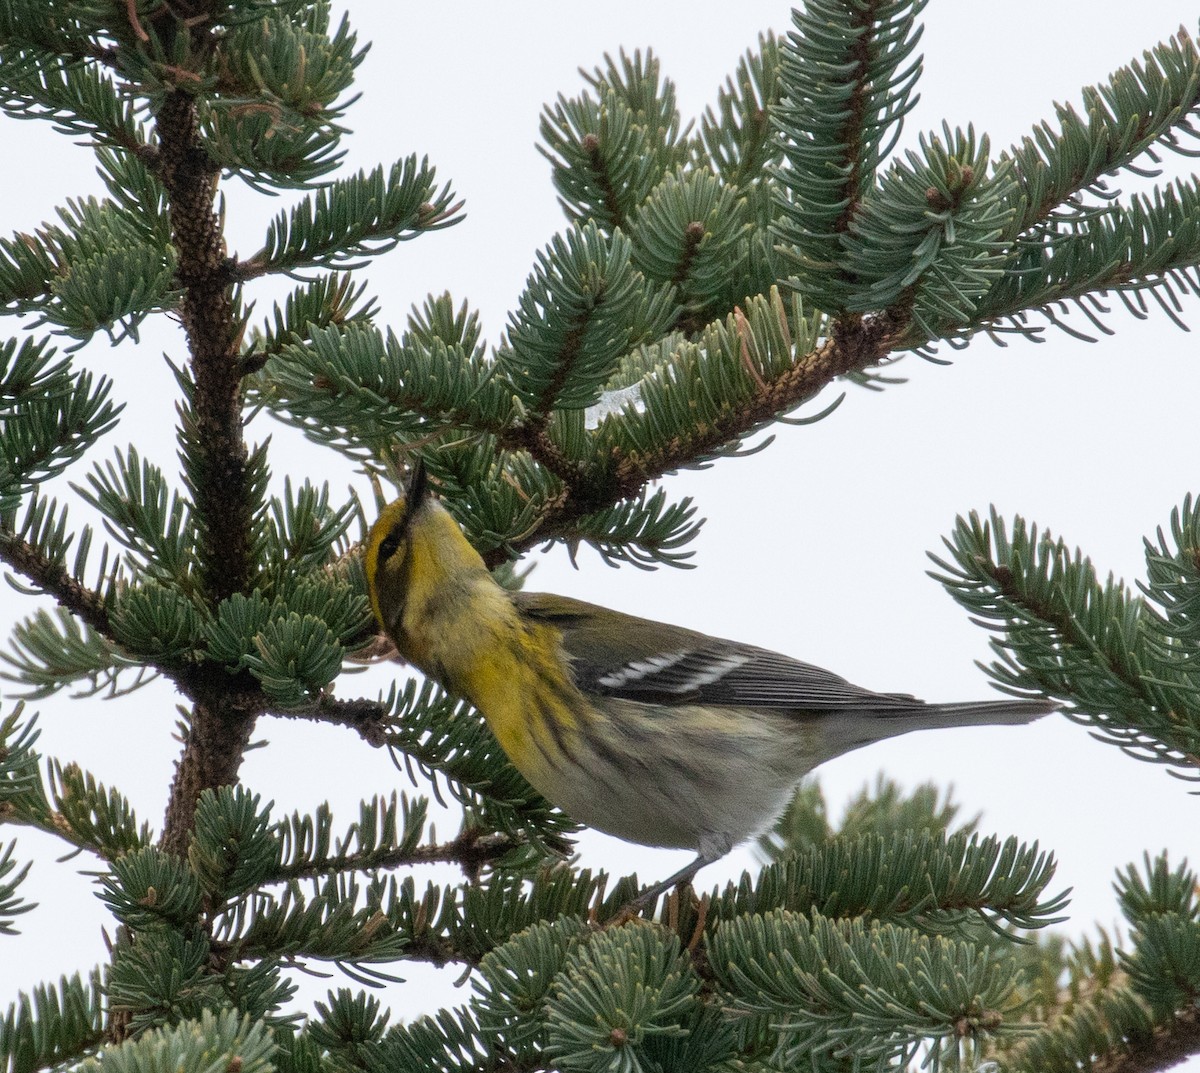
(418, 486)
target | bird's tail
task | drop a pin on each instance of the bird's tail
(985, 713)
(890, 721)
(888, 715)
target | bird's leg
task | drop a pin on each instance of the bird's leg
(685, 875)
(711, 849)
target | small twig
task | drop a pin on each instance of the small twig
(366, 717)
(134, 22)
(54, 579)
(472, 850)
(1169, 1045)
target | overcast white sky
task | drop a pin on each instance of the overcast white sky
(816, 547)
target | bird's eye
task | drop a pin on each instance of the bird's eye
(390, 544)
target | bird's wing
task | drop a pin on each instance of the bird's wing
(623, 656)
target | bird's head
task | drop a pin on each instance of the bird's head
(415, 549)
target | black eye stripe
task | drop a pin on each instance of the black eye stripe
(415, 498)
(390, 544)
(397, 535)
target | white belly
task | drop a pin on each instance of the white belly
(680, 778)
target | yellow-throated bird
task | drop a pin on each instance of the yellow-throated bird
(651, 732)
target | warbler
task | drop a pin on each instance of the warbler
(654, 733)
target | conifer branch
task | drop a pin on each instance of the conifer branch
(651, 337)
(845, 92)
(220, 474)
(473, 849)
(79, 813)
(212, 753)
(1059, 619)
(864, 26)
(440, 735)
(607, 152)
(737, 135)
(367, 718)
(1105, 1027)
(1142, 108)
(533, 437)
(602, 178)
(1064, 634)
(214, 439)
(1169, 1045)
(54, 579)
(856, 343)
(54, 1026)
